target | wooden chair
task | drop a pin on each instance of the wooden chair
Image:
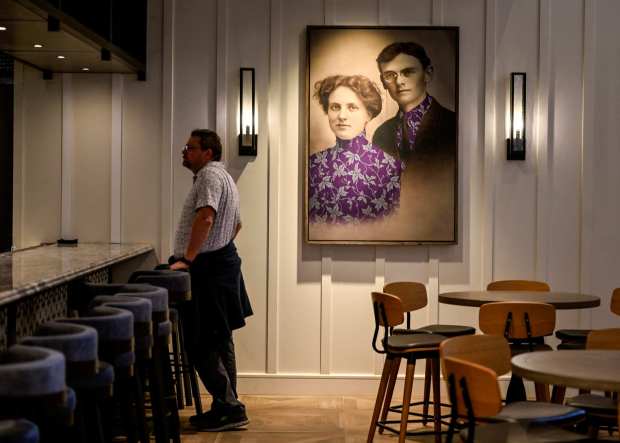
(413, 297)
(524, 325)
(518, 285)
(600, 410)
(389, 313)
(471, 365)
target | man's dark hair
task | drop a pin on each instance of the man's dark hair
(409, 48)
(209, 140)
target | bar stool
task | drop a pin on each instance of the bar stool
(414, 297)
(142, 310)
(157, 370)
(18, 431)
(92, 380)
(116, 347)
(32, 386)
(389, 312)
(178, 285)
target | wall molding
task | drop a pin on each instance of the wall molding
(274, 106)
(221, 76)
(587, 157)
(67, 224)
(116, 160)
(490, 143)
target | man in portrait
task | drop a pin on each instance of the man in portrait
(423, 136)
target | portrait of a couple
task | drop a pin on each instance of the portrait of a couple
(382, 159)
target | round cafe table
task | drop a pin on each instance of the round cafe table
(561, 300)
(594, 370)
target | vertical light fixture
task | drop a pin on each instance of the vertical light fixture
(516, 140)
(248, 121)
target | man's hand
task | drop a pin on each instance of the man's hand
(179, 266)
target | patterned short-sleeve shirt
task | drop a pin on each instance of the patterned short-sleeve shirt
(351, 182)
(213, 186)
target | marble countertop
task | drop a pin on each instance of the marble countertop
(32, 270)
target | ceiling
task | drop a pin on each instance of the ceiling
(26, 24)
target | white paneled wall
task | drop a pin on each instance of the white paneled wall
(552, 217)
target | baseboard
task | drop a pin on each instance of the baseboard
(328, 384)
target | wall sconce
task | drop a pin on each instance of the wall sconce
(248, 131)
(516, 141)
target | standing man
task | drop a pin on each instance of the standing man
(423, 135)
(209, 222)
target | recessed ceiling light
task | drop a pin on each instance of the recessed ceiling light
(85, 69)
(60, 56)
(37, 45)
(2, 28)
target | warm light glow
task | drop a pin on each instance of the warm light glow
(85, 69)
(2, 28)
(37, 45)
(517, 129)
(61, 57)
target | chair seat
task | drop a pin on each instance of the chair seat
(522, 348)
(596, 404)
(518, 432)
(413, 341)
(571, 345)
(540, 412)
(449, 330)
(572, 334)
(18, 431)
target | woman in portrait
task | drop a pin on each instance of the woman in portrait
(353, 181)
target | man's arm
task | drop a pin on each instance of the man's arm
(201, 226)
(237, 229)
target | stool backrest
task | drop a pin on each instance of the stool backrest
(615, 301)
(491, 351)
(473, 388)
(412, 294)
(388, 312)
(517, 320)
(518, 285)
(605, 339)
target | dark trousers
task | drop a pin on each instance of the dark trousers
(217, 368)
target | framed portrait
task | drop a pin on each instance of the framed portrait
(381, 158)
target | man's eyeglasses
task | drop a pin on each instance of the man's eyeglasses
(188, 148)
(392, 76)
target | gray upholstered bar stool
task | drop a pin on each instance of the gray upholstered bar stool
(141, 309)
(116, 346)
(18, 431)
(32, 386)
(165, 416)
(92, 380)
(178, 285)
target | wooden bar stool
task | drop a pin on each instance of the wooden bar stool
(524, 325)
(414, 297)
(18, 431)
(389, 312)
(600, 410)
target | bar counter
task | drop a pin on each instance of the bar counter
(36, 283)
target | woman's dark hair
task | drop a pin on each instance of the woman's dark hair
(409, 48)
(209, 140)
(365, 89)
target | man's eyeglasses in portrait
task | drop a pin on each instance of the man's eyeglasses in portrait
(391, 76)
(187, 148)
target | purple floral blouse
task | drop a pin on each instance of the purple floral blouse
(351, 182)
(412, 120)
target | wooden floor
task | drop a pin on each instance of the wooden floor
(297, 420)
